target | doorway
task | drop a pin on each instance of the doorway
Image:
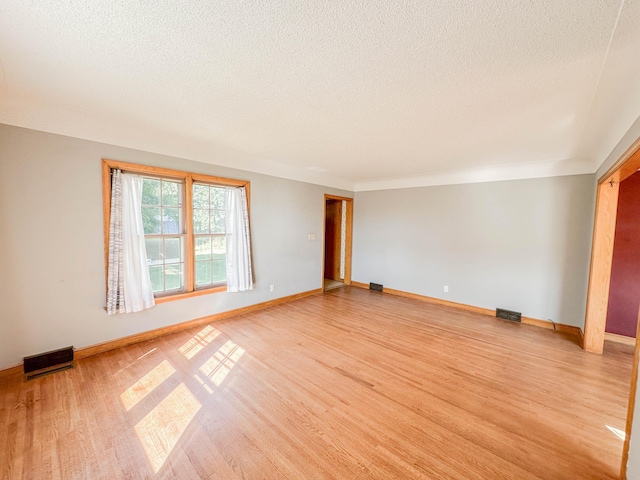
(602, 247)
(338, 227)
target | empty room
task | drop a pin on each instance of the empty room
(319, 240)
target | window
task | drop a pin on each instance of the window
(209, 232)
(183, 216)
(162, 204)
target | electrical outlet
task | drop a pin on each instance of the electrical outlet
(272, 287)
(311, 236)
(446, 289)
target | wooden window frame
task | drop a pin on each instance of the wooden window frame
(188, 178)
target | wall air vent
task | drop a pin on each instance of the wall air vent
(508, 315)
(375, 286)
(49, 362)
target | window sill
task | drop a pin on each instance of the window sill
(196, 293)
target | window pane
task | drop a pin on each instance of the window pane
(203, 248)
(219, 247)
(154, 250)
(151, 220)
(200, 221)
(150, 191)
(203, 273)
(200, 196)
(173, 276)
(173, 250)
(217, 221)
(217, 198)
(171, 194)
(171, 220)
(219, 271)
(157, 278)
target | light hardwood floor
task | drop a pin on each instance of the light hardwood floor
(349, 384)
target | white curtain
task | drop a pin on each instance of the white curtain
(238, 240)
(128, 280)
(115, 283)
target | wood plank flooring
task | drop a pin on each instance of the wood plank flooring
(349, 384)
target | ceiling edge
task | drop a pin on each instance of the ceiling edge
(521, 171)
(61, 120)
(628, 141)
(78, 124)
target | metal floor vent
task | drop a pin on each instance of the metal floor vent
(508, 315)
(49, 371)
(36, 366)
(375, 286)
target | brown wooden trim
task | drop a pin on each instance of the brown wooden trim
(106, 218)
(197, 177)
(348, 247)
(627, 164)
(8, 372)
(622, 339)
(170, 173)
(601, 260)
(145, 169)
(570, 329)
(328, 196)
(159, 332)
(602, 246)
(631, 408)
(559, 327)
(195, 293)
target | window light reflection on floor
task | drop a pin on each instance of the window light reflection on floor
(160, 430)
(202, 384)
(143, 387)
(148, 353)
(617, 432)
(200, 340)
(220, 364)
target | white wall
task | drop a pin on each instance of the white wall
(523, 245)
(52, 284)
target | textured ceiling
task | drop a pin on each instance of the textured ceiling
(352, 94)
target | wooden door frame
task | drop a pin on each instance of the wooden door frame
(348, 241)
(604, 230)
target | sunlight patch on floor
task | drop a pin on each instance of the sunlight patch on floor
(220, 364)
(146, 384)
(160, 430)
(200, 340)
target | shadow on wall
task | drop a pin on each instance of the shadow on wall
(576, 255)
